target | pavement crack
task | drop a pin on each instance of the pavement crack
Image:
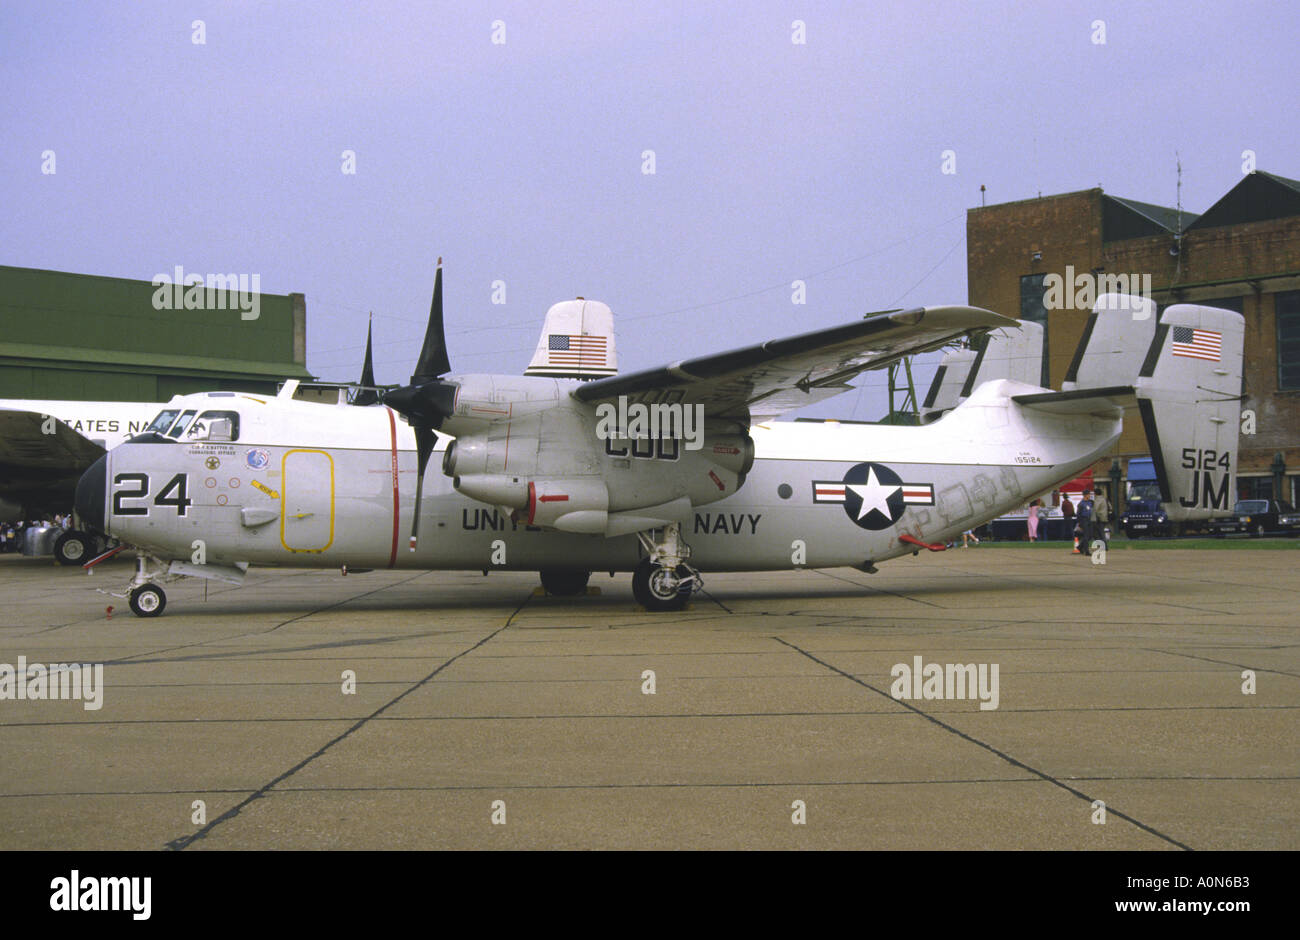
(186, 841)
(989, 747)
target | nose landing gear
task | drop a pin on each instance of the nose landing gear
(148, 600)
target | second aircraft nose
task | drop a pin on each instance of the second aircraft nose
(92, 495)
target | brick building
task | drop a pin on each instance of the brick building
(1242, 253)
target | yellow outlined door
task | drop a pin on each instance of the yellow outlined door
(306, 500)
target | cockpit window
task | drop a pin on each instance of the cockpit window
(214, 426)
(179, 427)
(160, 424)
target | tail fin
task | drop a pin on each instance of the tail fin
(1115, 338)
(1184, 373)
(1003, 354)
(1009, 354)
(577, 342)
(945, 391)
(1189, 396)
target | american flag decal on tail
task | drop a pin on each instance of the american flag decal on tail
(1191, 343)
(569, 350)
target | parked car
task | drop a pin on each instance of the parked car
(1258, 517)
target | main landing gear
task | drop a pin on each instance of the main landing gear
(564, 582)
(663, 581)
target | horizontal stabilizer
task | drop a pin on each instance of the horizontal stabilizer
(1085, 401)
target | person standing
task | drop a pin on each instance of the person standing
(1033, 521)
(1067, 517)
(1085, 523)
(1100, 515)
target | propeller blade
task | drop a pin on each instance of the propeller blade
(433, 356)
(424, 440)
(367, 396)
(428, 400)
(426, 405)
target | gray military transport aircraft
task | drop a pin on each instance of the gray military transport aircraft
(550, 473)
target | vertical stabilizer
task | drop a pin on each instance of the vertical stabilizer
(577, 342)
(1115, 340)
(945, 391)
(1189, 396)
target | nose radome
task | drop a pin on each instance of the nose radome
(92, 494)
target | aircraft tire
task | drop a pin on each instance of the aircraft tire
(148, 600)
(653, 599)
(73, 548)
(564, 582)
(639, 587)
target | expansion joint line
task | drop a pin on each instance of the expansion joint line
(988, 747)
(186, 841)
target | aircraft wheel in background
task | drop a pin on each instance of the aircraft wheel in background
(73, 547)
(564, 582)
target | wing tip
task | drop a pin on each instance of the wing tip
(961, 314)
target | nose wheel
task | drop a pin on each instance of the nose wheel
(148, 600)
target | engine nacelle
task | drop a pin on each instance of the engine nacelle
(557, 469)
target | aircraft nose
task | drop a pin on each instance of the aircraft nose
(92, 494)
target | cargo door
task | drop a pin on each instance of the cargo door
(307, 501)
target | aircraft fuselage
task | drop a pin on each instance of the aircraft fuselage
(817, 495)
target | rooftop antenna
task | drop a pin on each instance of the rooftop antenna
(1177, 250)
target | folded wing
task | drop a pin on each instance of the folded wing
(763, 381)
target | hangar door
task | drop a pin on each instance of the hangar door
(307, 501)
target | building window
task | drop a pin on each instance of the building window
(1033, 307)
(1287, 313)
(1254, 488)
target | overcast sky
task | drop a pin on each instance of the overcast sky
(522, 160)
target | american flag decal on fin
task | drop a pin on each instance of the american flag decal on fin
(1192, 343)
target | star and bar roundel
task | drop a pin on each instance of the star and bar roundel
(873, 495)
